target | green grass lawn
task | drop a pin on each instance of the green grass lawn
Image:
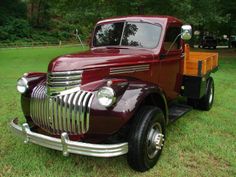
(198, 144)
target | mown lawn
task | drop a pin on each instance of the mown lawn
(198, 144)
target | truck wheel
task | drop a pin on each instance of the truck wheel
(206, 102)
(146, 138)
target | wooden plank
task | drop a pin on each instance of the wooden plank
(192, 62)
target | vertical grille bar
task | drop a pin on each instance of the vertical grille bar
(74, 112)
(38, 104)
(77, 114)
(55, 111)
(41, 104)
(68, 113)
(45, 111)
(64, 112)
(60, 112)
(85, 101)
(88, 111)
(80, 128)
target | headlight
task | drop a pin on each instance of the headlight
(22, 85)
(106, 96)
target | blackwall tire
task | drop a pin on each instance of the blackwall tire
(146, 138)
(206, 102)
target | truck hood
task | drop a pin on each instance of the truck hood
(99, 58)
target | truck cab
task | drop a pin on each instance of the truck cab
(118, 96)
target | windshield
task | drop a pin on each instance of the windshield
(136, 34)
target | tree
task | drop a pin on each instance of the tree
(229, 26)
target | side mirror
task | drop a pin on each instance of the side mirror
(186, 32)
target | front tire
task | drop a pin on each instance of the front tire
(146, 138)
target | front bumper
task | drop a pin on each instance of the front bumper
(67, 146)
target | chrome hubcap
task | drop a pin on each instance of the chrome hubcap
(155, 140)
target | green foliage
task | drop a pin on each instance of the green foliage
(14, 29)
(58, 19)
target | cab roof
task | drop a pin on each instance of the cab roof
(153, 19)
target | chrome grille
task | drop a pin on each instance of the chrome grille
(60, 81)
(64, 113)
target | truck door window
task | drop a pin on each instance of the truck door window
(171, 34)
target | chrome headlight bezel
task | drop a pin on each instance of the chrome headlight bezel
(106, 96)
(22, 85)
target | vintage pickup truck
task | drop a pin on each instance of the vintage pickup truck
(118, 97)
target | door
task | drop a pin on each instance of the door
(171, 60)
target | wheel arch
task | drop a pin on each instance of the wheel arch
(156, 99)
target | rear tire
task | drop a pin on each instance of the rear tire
(146, 138)
(206, 102)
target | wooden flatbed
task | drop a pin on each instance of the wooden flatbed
(199, 63)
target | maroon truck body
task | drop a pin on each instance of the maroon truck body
(98, 62)
(138, 75)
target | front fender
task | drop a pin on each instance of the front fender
(107, 121)
(33, 79)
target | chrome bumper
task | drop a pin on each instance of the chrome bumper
(67, 146)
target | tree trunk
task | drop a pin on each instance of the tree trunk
(38, 21)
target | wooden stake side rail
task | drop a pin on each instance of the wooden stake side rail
(199, 63)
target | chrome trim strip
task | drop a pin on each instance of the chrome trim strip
(65, 92)
(71, 77)
(66, 145)
(58, 82)
(129, 69)
(63, 83)
(66, 72)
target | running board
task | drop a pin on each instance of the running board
(178, 110)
